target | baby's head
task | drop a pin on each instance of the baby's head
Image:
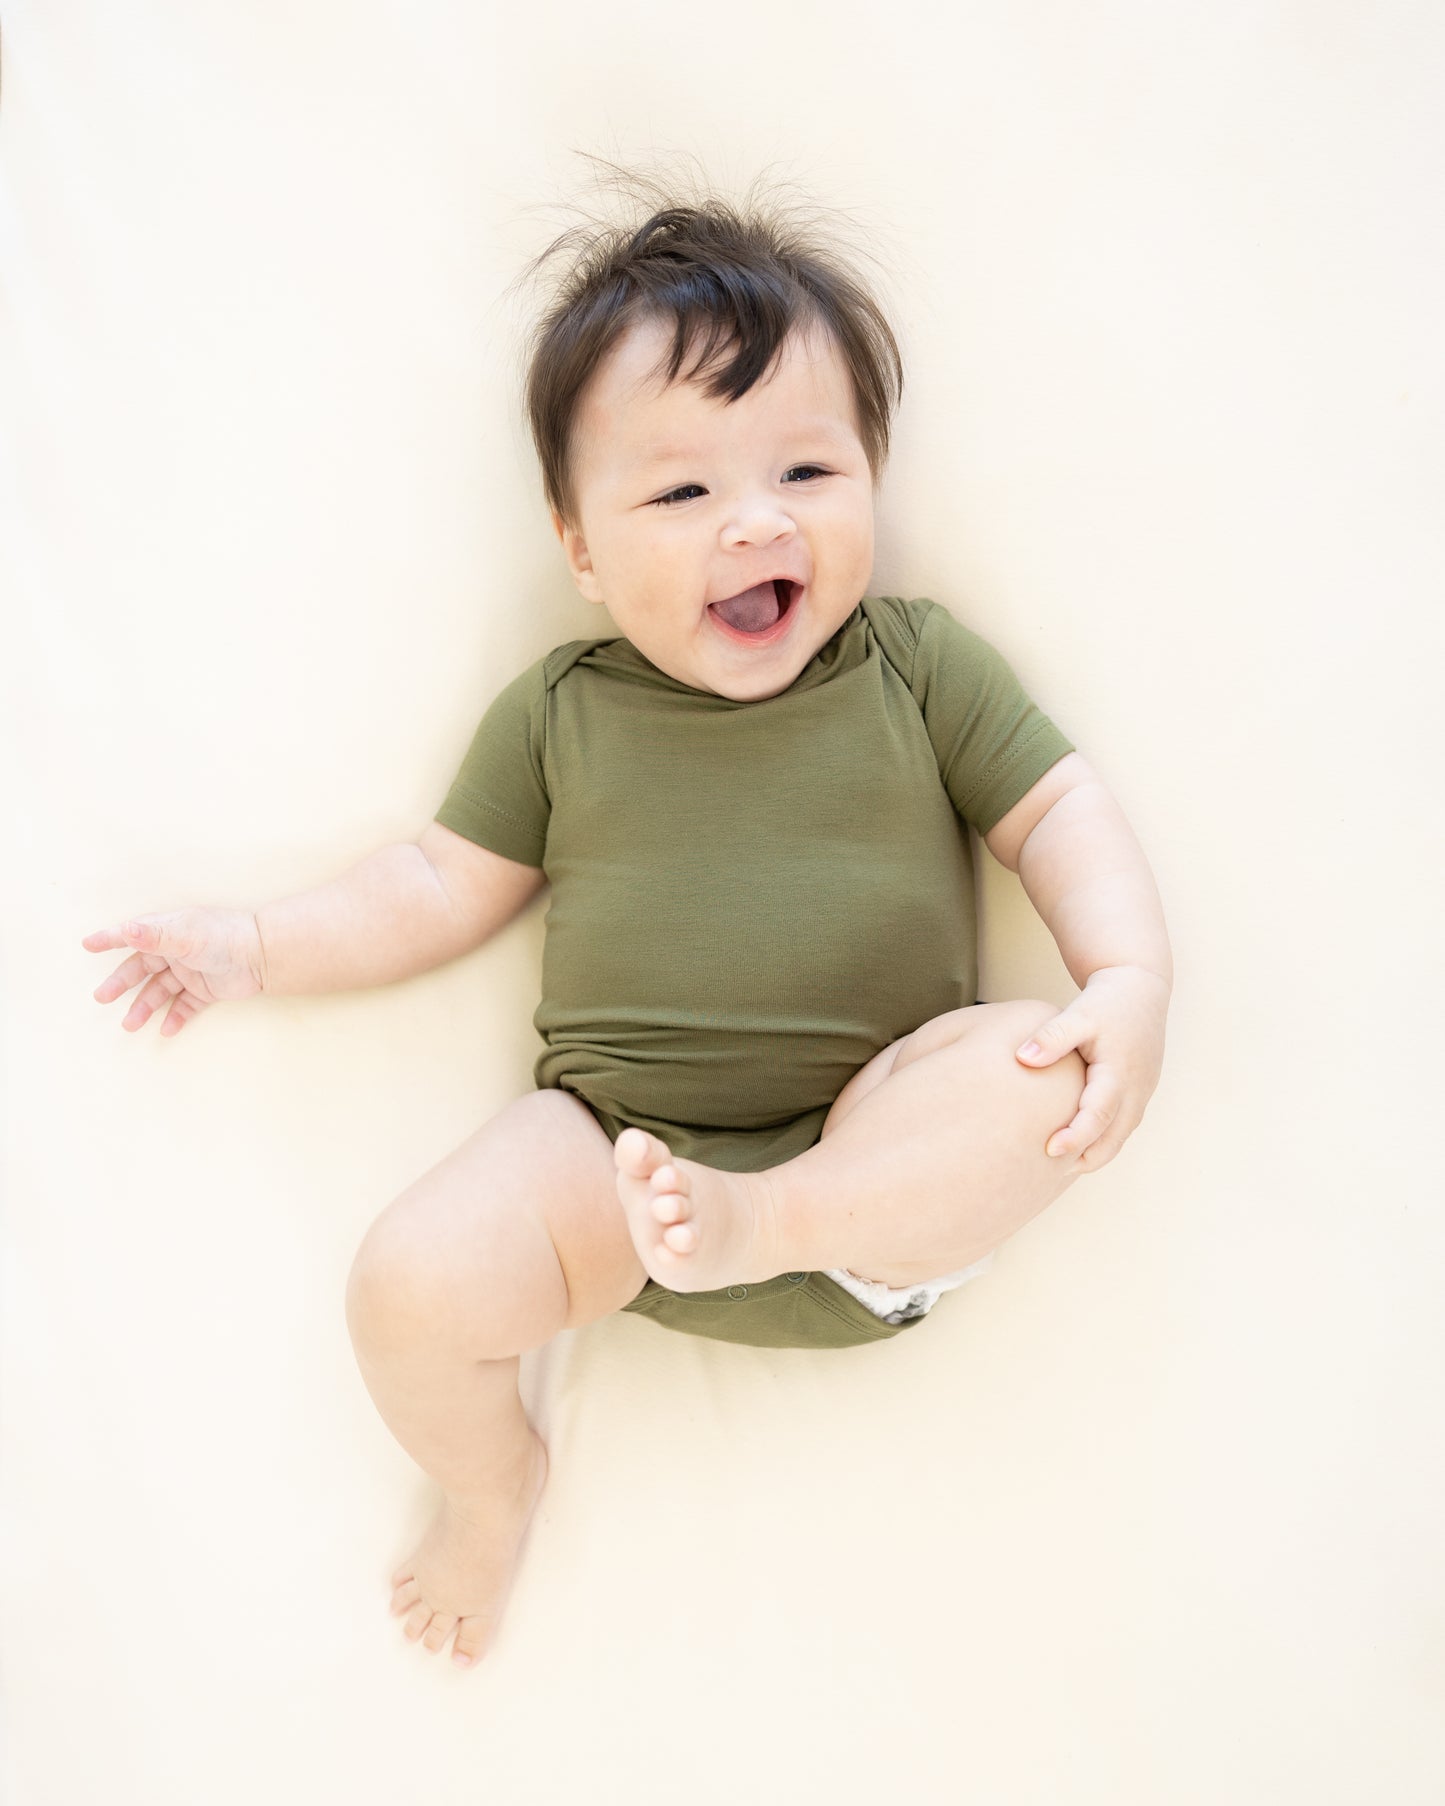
(710, 394)
(731, 283)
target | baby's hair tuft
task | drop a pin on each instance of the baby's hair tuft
(733, 279)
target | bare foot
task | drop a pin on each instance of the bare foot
(459, 1575)
(694, 1227)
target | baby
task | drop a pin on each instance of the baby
(769, 1109)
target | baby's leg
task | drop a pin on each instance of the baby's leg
(517, 1234)
(932, 1154)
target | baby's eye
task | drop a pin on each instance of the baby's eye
(816, 469)
(665, 501)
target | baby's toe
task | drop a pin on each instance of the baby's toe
(418, 1618)
(471, 1641)
(633, 1148)
(406, 1594)
(437, 1632)
(681, 1238)
(671, 1205)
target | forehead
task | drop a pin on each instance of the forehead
(636, 414)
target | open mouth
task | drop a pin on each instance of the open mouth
(759, 614)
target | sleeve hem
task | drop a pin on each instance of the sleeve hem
(1012, 774)
(490, 826)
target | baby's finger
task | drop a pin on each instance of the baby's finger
(1101, 1152)
(133, 932)
(129, 972)
(179, 1014)
(101, 940)
(163, 986)
(1061, 1034)
(1107, 1146)
(1098, 1106)
(159, 939)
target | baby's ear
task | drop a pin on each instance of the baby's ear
(579, 559)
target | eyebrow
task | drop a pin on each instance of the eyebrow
(684, 454)
(665, 454)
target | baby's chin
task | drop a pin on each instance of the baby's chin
(754, 686)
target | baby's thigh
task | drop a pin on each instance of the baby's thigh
(515, 1235)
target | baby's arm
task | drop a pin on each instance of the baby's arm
(400, 911)
(1086, 875)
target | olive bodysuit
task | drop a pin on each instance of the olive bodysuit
(748, 900)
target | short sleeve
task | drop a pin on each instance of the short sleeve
(993, 744)
(499, 797)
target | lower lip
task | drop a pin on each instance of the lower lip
(770, 636)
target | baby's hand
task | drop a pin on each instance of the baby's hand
(190, 956)
(1117, 1024)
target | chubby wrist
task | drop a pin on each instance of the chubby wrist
(263, 965)
(1164, 978)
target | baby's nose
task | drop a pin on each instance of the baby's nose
(758, 521)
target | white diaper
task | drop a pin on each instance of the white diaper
(896, 1304)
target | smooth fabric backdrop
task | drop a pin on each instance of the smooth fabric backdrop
(1151, 1514)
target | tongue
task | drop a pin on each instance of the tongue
(755, 609)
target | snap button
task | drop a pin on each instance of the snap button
(737, 1291)
(797, 1278)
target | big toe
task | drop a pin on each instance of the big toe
(638, 1153)
(471, 1641)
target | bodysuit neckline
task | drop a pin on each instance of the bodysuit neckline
(848, 647)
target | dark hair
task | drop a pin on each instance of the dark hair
(731, 278)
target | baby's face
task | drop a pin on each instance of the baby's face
(685, 502)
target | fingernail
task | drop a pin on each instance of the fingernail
(1029, 1049)
(461, 1660)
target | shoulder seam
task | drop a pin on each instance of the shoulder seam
(918, 640)
(898, 610)
(560, 660)
(542, 752)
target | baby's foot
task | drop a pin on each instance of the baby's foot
(458, 1577)
(694, 1227)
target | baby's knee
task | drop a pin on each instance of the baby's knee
(392, 1287)
(423, 1272)
(455, 1264)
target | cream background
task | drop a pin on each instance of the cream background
(1152, 1513)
